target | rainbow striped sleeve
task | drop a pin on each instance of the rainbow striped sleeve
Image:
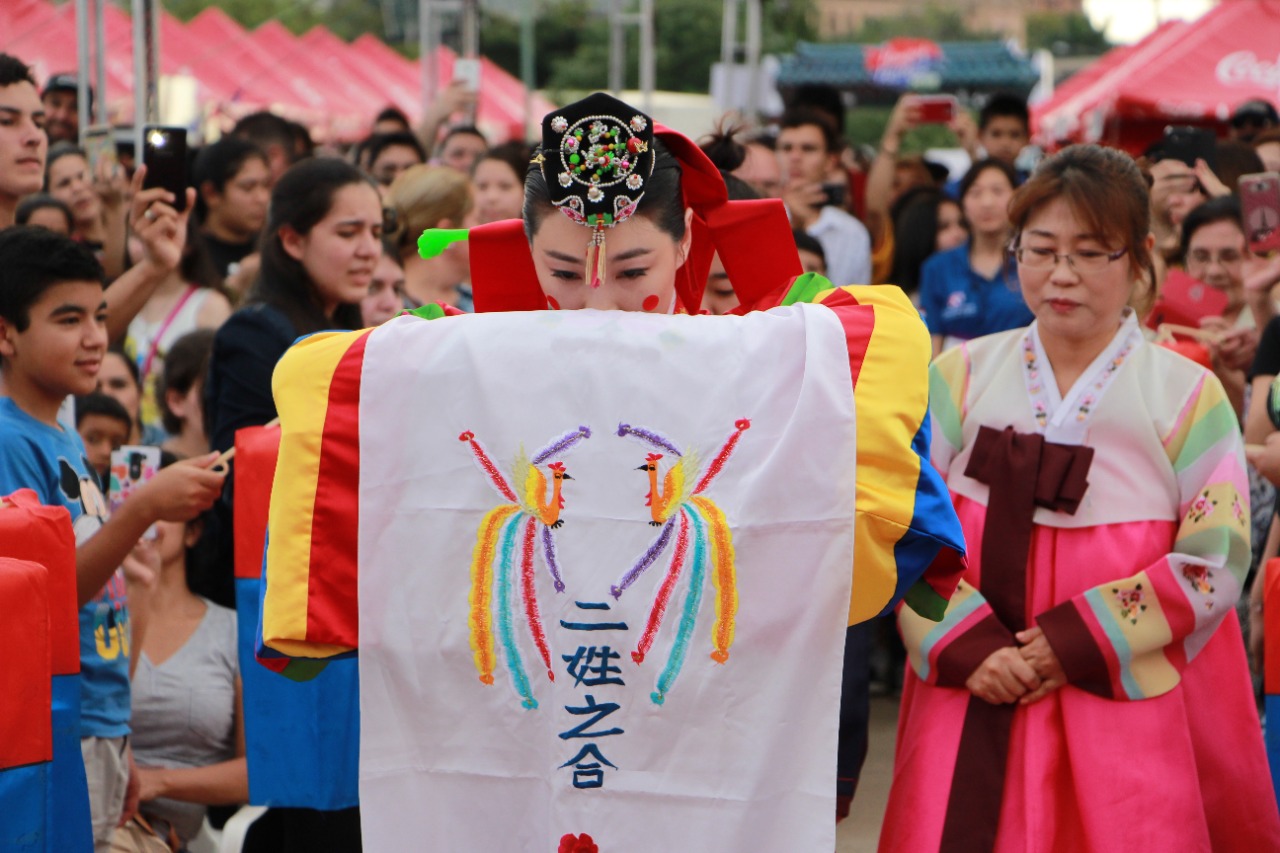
(946, 653)
(905, 522)
(1130, 639)
(308, 612)
(948, 391)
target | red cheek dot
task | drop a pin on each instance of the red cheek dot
(552, 304)
(650, 302)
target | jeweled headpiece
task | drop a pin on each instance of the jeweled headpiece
(597, 157)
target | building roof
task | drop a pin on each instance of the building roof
(969, 66)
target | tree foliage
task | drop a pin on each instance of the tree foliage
(572, 42)
(346, 18)
(933, 22)
(571, 37)
(1070, 34)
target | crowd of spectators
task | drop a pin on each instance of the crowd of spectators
(277, 242)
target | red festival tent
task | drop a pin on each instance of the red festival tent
(1195, 73)
(333, 87)
(500, 112)
(1050, 121)
(388, 88)
(44, 36)
(347, 100)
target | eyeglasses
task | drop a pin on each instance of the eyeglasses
(1084, 261)
(1203, 257)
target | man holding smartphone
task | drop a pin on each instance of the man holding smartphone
(808, 146)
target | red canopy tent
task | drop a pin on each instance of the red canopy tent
(1049, 122)
(1195, 73)
(391, 88)
(333, 87)
(347, 100)
(1074, 113)
(500, 113)
(261, 80)
(44, 36)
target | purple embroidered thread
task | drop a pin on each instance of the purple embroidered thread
(562, 444)
(549, 552)
(649, 558)
(649, 437)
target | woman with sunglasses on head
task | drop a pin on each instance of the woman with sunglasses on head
(1088, 684)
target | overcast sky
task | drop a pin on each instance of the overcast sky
(1129, 20)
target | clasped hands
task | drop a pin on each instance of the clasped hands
(1025, 673)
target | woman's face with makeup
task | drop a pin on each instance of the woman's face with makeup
(640, 265)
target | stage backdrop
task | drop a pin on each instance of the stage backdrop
(603, 573)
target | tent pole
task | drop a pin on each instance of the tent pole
(139, 79)
(619, 19)
(428, 41)
(617, 48)
(752, 58)
(145, 60)
(99, 66)
(527, 68)
(471, 42)
(153, 60)
(647, 61)
(82, 56)
(729, 32)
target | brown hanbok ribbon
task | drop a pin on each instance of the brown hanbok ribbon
(1023, 471)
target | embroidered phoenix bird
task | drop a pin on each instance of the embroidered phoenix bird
(677, 504)
(527, 516)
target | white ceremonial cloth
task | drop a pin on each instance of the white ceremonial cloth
(741, 756)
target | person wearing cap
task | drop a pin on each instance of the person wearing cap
(61, 99)
(621, 214)
(1253, 117)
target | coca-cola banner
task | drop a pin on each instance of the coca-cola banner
(1246, 68)
(1195, 72)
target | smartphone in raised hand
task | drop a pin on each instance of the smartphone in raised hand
(164, 153)
(467, 72)
(131, 466)
(1190, 144)
(1260, 204)
(936, 109)
(1185, 301)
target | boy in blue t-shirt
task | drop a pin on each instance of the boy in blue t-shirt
(52, 340)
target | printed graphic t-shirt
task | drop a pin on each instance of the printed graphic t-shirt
(51, 461)
(959, 304)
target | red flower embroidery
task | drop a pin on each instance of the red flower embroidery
(577, 844)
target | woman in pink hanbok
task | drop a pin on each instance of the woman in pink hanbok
(1087, 689)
